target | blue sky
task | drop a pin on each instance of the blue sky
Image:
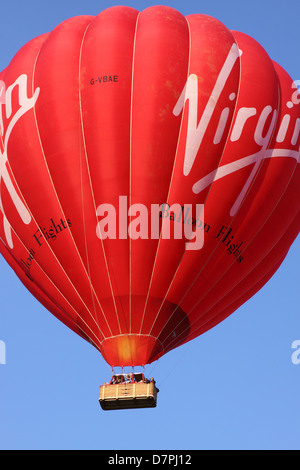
(243, 386)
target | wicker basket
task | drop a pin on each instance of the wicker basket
(128, 395)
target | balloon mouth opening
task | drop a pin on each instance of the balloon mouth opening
(136, 348)
(131, 350)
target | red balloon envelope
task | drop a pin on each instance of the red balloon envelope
(149, 175)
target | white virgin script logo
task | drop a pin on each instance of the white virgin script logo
(195, 133)
(25, 104)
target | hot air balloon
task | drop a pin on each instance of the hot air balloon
(149, 176)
